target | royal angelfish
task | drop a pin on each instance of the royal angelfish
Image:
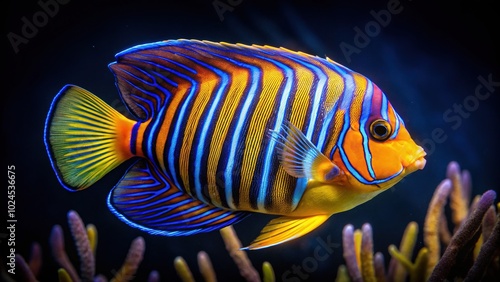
(223, 130)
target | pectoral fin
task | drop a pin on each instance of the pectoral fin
(283, 229)
(300, 157)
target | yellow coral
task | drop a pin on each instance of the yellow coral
(357, 246)
(183, 270)
(63, 275)
(342, 274)
(431, 225)
(417, 269)
(132, 261)
(268, 272)
(459, 197)
(397, 270)
(92, 235)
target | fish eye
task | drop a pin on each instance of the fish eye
(380, 130)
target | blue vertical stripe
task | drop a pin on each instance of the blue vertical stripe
(177, 127)
(264, 184)
(243, 116)
(365, 114)
(221, 89)
(384, 108)
(133, 138)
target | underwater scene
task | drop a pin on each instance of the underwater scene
(238, 140)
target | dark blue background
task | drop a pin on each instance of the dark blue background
(426, 59)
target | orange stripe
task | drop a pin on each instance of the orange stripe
(173, 106)
(206, 88)
(140, 137)
(334, 90)
(239, 78)
(283, 182)
(354, 136)
(272, 78)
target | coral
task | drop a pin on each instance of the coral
(463, 241)
(240, 258)
(364, 265)
(233, 247)
(183, 270)
(396, 269)
(472, 249)
(82, 242)
(206, 268)
(85, 238)
(30, 270)
(350, 253)
(86, 243)
(132, 261)
(268, 272)
(431, 225)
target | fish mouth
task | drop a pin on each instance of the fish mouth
(419, 162)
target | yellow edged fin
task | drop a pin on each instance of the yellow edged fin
(300, 157)
(283, 229)
(85, 137)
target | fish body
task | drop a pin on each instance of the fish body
(222, 130)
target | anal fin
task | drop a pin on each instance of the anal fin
(146, 199)
(283, 229)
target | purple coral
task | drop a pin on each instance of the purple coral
(350, 253)
(467, 255)
(82, 242)
(464, 238)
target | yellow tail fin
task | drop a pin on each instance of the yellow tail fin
(85, 137)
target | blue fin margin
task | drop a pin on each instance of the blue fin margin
(147, 200)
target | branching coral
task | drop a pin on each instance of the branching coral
(29, 270)
(82, 242)
(86, 242)
(233, 247)
(463, 241)
(472, 252)
(471, 248)
(132, 261)
(85, 238)
(364, 265)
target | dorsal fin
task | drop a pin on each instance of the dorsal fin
(148, 75)
(138, 90)
(144, 198)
